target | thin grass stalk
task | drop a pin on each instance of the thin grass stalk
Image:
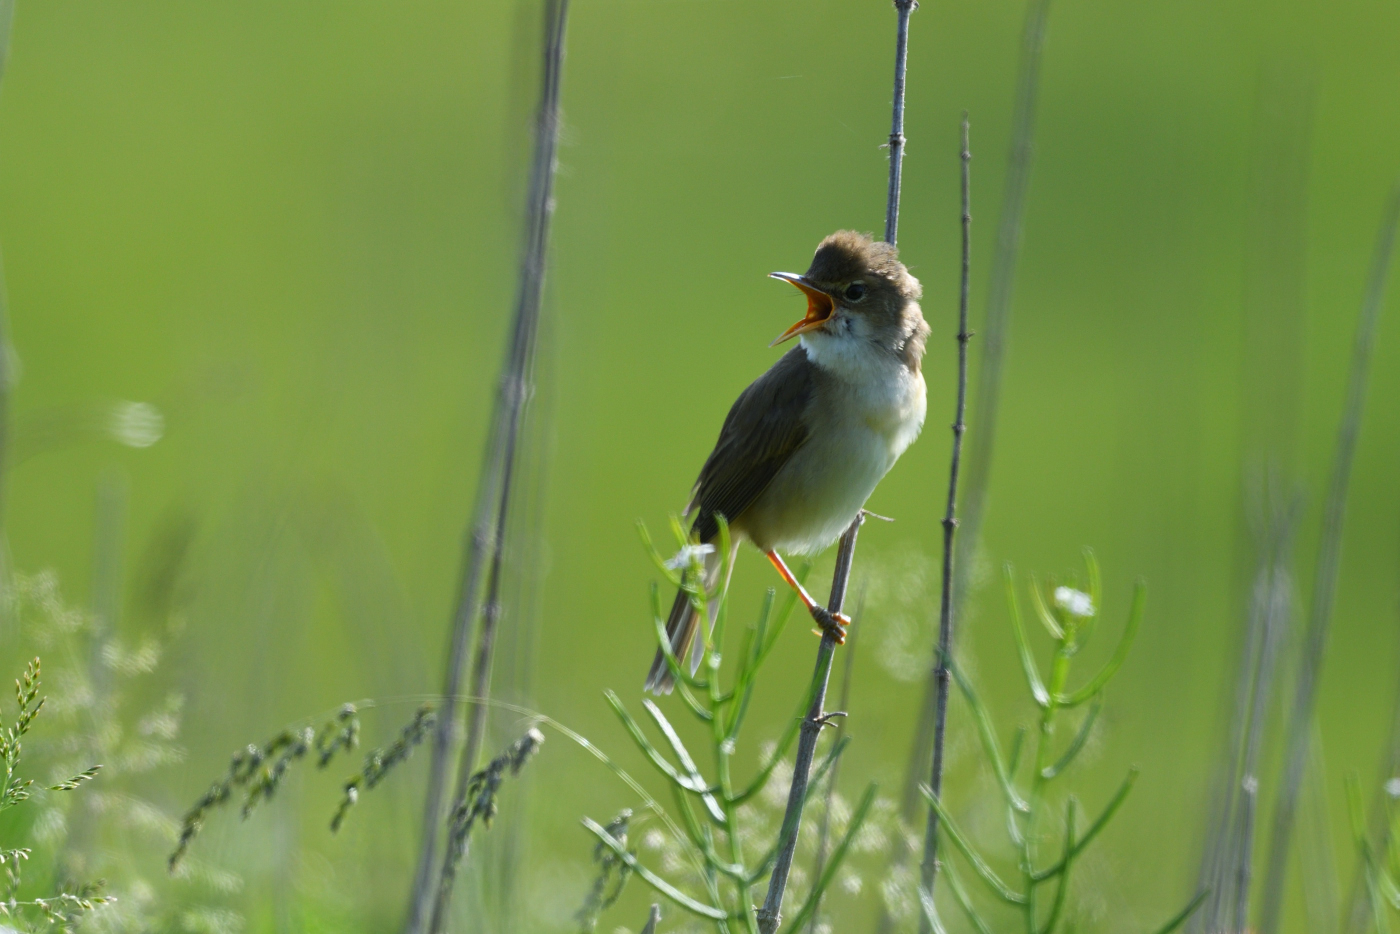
(1274, 308)
(450, 728)
(516, 392)
(994, 330)
(929, 869)
(1325, 579)
(485, 547)
(824, 828)
(1277, 617)
(1227, 867)
(770, 914)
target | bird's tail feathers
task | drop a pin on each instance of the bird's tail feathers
(681, 628)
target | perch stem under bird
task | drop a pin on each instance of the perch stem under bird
(806, 443)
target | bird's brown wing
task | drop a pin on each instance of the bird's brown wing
(766, 424)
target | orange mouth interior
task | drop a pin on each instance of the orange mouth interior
(820, 307)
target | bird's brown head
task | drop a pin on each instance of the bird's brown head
(856, 287)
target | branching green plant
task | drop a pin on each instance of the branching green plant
(714, 838)
(53, 912)
(1380, 866)
(1069, 614)
(106, 705)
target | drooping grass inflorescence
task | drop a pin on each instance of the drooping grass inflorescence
(1068, 614)
(257, 772)
(380, 762)
(613, 874)
(478, 804)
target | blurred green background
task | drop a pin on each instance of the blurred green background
(293, 229)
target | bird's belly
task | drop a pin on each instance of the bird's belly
(818, 492)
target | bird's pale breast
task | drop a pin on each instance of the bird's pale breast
(858, 429)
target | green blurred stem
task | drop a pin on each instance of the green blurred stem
(1062, 886)
(1329, 556)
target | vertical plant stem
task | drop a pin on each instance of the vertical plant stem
(770, 914)
(929, 870)
(449, 729)
(824, 828)
(1227, 865)
(485, 546)
(994, 332)
(1325, 579)
(901, 55)
(1274, 308)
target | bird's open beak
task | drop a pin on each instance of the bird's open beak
(820, 306)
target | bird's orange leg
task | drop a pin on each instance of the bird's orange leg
(828, 621)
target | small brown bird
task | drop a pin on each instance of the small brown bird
(805, 444)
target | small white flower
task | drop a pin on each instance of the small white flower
(1392, 787)
(136, 424)
(688, 555)
(1074, 602)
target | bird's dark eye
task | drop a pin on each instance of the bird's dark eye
(855, 291)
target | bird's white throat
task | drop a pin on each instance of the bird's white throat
(881, 391)
(850, 349)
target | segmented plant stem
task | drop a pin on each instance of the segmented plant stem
(485, 546)
(929, 872)
(993, 331)
(901, 55)
(824, 828)
(770, 914)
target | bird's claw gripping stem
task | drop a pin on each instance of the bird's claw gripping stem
(834, 623)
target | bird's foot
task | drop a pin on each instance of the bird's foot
(834, 623)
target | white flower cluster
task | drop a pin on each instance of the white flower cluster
(1074, 602)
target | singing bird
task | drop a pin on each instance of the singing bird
(805, 444)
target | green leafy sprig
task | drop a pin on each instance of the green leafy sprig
(712, 836)
(1069, 615)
